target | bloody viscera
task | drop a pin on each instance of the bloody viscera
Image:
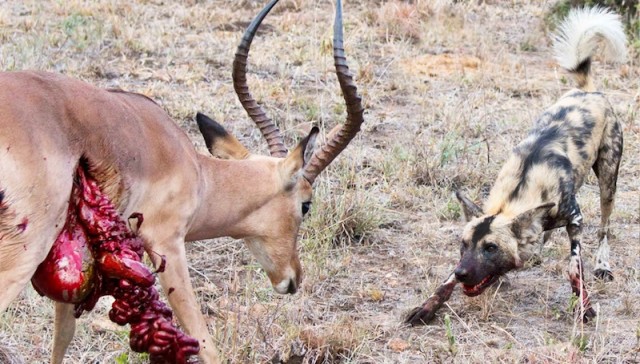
(97, 254)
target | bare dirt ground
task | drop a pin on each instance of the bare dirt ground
(449, 89)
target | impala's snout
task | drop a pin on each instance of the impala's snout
(284, 270)
(290, 283)
(287, 286)
(292, 287)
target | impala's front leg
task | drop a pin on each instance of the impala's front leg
(177, 286)
(425, 313)
(64, 328)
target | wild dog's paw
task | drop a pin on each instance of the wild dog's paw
(589, 314)
(603, 274)
(421, 315)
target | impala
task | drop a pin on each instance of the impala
(145, 163)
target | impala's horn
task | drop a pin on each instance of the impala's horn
(268, 129)
(341, 137)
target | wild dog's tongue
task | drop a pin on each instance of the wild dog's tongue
(96, 254)
(468, 290)
(477, 289)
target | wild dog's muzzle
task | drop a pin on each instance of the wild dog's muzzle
(474, 281)
(473, 290)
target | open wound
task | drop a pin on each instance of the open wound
(96, 254)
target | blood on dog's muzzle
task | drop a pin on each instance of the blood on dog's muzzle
(467, 270)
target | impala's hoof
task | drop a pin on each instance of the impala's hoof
(603, 274)
(419, 316)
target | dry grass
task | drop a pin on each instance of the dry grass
(449, 89)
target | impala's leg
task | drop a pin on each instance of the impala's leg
(606, 168)
(425, 313)
(33, 204)
(16, 268)
(576, 276)
(20, 256)
(65, 327)
(177, 286)
(19, 259)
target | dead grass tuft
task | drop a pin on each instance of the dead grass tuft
(346, 218)
(403, 21)
(9, 350)
(333, 343)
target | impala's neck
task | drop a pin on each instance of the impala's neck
(229, 191)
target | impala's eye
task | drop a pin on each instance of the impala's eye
(305, 207)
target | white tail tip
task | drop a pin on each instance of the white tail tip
(581, 32)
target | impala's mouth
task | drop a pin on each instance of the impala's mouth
(473, 291)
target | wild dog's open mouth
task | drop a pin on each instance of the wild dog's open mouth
(473, 291)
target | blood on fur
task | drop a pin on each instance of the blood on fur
(22, 226)
(425, 313)
(96, 254)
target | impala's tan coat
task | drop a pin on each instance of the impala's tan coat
(148, 165)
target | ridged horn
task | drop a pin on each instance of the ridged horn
(268, 129)
(345, 133)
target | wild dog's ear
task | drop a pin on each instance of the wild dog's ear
(220, 143)
(528, 225)
(469, 208)
(301, 155)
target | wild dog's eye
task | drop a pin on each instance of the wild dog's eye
(305, 207)
(463, 246)
(490, 248)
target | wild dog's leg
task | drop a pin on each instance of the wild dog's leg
(177, 286)
(536, 259)
(425, 313)
(574, 229)
(606, 168)
(65, 327)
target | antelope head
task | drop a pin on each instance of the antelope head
(275, 191)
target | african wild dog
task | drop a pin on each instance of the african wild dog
(536, 189)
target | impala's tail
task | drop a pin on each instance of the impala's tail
(578, 37)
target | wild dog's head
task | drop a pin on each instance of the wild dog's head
(492, 244)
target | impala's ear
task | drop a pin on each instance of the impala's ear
(529, 224)
(220, 143)
(301, 155)
(469, 208)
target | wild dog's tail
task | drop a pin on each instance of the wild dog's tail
(578, 37)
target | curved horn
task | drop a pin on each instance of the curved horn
(342, 136)
(268, 129)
